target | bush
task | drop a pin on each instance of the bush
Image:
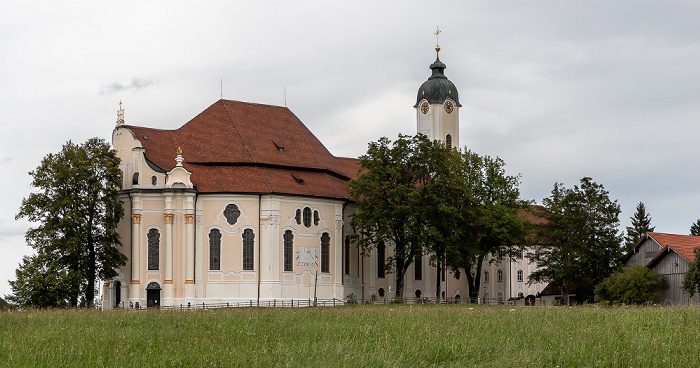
(632, 285)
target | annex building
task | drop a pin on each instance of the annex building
(244, 203)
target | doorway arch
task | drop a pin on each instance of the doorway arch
(153, 295)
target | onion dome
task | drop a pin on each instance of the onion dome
(437, 88)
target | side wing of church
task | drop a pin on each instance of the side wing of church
(244, 204)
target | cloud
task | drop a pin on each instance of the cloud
(135, 85)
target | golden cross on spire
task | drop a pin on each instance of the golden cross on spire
(437, 39)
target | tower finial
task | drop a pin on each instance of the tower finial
(437, 39)
(179, 158)
(120, 114)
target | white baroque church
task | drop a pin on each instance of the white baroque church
(244, 204)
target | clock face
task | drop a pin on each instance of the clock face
(424, 107)
(449, 107)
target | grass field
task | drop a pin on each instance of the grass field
(371, 336)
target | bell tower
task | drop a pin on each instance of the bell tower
(437, 105)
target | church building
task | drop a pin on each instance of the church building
(243, 203)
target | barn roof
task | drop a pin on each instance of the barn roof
(683, 245)
(243, 147)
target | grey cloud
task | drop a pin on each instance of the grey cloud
(135, 85)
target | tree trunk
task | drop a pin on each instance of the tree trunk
(400, 272)
(438, 283)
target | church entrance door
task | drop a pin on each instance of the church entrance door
(153, 295)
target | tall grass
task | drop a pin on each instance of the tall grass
(372, 336)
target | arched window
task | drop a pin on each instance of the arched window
(215, 249)
(418, 293)
(288, 250)
(520, 275)
(381, 292)
(347, 254)
(486, 276)
(307, 216)
(325, 252)
(232, 213)
(153, 249)
(448, 141)
(419, 267)
(520, 295)
(298, 217)
(381, 255)
(248, 255)
(500, 297)
(499, 275)
(316, 218)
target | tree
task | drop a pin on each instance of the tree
(490, 222)
(41, 282)
(695, 228)
(77, 209)
(691, 282)
(579, 245)
(641, 224)
(632, 285)
(400, 200)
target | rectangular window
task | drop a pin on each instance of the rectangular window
(325, 252)
(499, 275)
(419, 268)
(215, 250)
(248, 250)
(288, 250)
(381, 249)
(347, 254)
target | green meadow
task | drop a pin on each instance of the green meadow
(356, 336)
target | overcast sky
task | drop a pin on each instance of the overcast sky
(559, 90)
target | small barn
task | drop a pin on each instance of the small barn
(669, 255)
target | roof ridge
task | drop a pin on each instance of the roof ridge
(228, 113)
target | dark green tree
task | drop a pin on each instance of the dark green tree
(631, 285)
(691, 282)
(695, 228)
(400, 201)
(641, 224)
(76, 208)
(579, 244)
(42, 283)
(490, 221)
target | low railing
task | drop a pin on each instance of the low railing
(298, 303)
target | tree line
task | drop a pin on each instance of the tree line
(458, 207)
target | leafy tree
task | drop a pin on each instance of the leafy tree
(632, 285)
(490, 220)
(579, 244)
(691, 282)
(77, 209)
(399, 200)
(695, 228)
(641, 224)
(41, 282)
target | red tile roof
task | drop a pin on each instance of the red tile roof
(244, 147)
(684, 245)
